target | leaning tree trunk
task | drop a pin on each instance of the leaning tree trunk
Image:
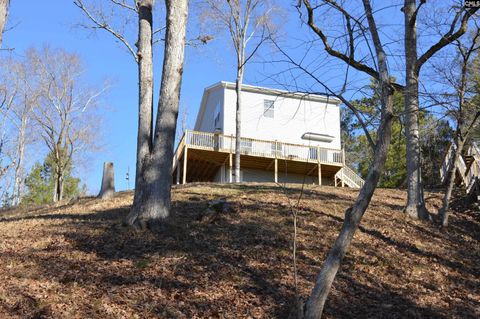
(353, 216)
(145, 96)
(315, 304)
(450, 182)
(415, 202)
(4, 4)
(155, 201)
(108, 181)
(238, 123)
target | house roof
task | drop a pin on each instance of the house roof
(263, 90)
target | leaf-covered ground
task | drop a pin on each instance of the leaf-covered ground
(77, 261)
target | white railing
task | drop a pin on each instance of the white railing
(470, 175)
(350, 177)
(473, 174)
(448, 162)
(263, 148)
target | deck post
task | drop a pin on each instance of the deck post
(185, 154)
(178, 173)
(343, 156)
(276, 162)
(319, 174)
(230, 180)
(276, 170)
(343, 183)
(319, 167)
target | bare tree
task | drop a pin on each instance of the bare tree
(143, 57)
(4, 5)
(353, 216)
(459, 98)
(7, 158)
(65, 109)
(415, 202)
(154, 149)
(16, 77)
(153, 198)
(355, 32)
(249, 25)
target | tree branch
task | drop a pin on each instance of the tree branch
(446, 39)
(347, 59)
(103, 25)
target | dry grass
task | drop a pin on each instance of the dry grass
(77, 261)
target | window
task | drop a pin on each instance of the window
(216, 117)
(217, 121)
(268, 108)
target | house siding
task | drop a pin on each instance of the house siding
(292, 118)
(215, 97)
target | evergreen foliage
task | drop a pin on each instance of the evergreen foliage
(435, 135)
(40, 183)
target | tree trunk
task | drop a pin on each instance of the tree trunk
(315, 304)
(238, 123)
(450, 182)
(55, 188)
(415, 203)
(108, 181)
(145, 96)
(4, 4)
(155, 200)
(353, 216)
(61, 184)
(17, 185)
(58, 186)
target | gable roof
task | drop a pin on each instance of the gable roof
(262, 90)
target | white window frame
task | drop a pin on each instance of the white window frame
(269, 108)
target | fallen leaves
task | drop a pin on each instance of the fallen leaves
(76, 261)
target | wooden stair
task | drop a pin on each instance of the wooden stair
(467, 169)
(347, 177)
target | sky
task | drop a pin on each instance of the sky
(34, 23)
(54, 22)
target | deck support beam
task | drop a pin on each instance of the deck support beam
(319, 167)
(319, 174)
(230, 168)
(185, 154)
(276, 170)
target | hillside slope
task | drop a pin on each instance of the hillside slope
(77, 261)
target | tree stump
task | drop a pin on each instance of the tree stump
(108, 181)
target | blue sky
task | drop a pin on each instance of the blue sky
(53, 22)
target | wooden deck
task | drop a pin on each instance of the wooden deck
(200, 155)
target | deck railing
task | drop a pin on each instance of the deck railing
(263, 148)
(350, 177)
(470, 175)
(448, 162)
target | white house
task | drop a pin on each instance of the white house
(286, 137)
